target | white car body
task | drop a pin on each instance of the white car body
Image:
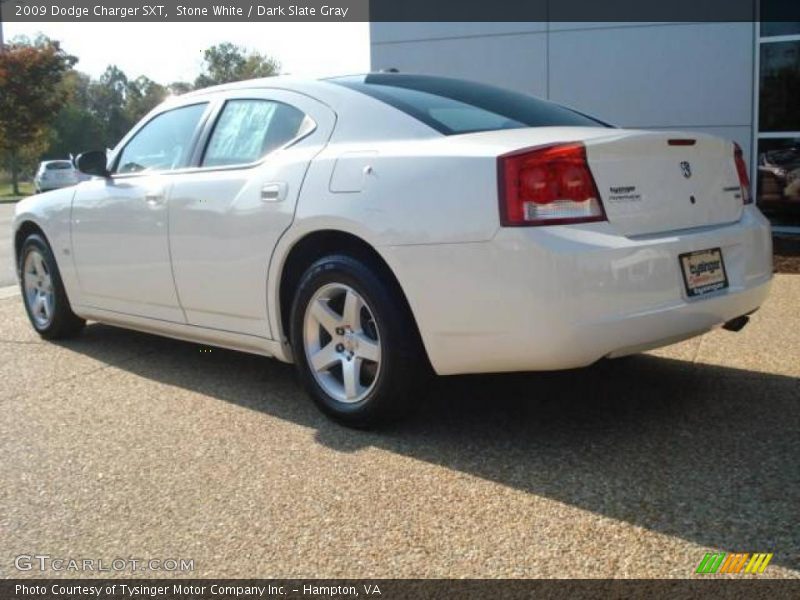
(199, 253)
(54, 175)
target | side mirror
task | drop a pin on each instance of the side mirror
(92, 163)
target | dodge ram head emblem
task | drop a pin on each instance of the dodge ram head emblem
(686, 168)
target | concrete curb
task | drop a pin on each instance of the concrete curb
(9, 291)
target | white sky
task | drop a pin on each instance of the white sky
(167, 52)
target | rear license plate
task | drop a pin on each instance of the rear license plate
(703, 272)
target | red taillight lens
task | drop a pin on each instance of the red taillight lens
(548, 186)
(741, 170)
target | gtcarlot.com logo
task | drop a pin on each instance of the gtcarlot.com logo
(45, 562)
(741, 562)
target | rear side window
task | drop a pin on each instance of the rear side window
(248, 130)
(164, 143)
(454, 106)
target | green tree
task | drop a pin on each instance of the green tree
(119, 102)
(98, 113)
(180, 87)
(107, 101)
(76, 127)
(30, 97)
(228, 62)
(141, 96)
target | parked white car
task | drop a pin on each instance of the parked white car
(368, 228)
(54, 174)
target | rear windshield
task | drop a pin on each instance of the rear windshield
(59, 166)
(453, 106)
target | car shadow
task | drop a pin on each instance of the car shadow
(702, 452)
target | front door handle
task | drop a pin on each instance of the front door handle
(155, 197)
(274, 191)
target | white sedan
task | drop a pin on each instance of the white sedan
(370, 228)
(54, 174)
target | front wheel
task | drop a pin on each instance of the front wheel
(354, 343)
(43, 292)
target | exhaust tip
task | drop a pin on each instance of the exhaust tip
(736, 324)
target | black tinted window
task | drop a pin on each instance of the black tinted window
(453, 106)
(59, 166)
(780, 86)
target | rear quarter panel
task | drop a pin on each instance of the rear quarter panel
(409, 193)
(413, 192)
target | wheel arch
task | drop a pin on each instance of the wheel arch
(312, 246)
(26, 228)
(54, 227)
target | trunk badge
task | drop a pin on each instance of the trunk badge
(686, 169)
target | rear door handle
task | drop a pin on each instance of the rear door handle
(274, 191)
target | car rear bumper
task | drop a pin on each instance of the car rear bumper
(562, 297)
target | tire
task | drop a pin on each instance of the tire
(380, 391)
(43, 292)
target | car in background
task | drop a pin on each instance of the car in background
(55, 174)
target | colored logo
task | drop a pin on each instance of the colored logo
(742, 562)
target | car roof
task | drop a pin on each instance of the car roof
(358, 115)
(288, 82)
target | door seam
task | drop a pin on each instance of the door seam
(168, 203)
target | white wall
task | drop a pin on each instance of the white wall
(694, 76)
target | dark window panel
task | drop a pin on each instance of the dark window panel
(780, 28)
(779, 102)
(778, 178)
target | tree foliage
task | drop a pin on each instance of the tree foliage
(49, 110)
(228, 62)
(76, 127)
(31, 95)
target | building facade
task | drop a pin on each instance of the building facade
(740, 81)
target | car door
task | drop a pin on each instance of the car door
(227, 215)
(119, 224)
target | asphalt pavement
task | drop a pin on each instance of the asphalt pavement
(120, 444)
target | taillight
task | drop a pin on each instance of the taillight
(551, 185)
(741, 170)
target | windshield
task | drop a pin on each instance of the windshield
(454, 106)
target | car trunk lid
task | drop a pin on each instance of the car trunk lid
(653, 182)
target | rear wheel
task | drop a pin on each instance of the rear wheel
(43, 292)
(354, 344)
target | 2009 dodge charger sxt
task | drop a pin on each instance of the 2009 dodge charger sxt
(368, 227)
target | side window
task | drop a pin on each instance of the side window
(248, 130)
(162, 144)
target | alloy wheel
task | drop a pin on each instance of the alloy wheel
(38, 286)
(342, 343)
